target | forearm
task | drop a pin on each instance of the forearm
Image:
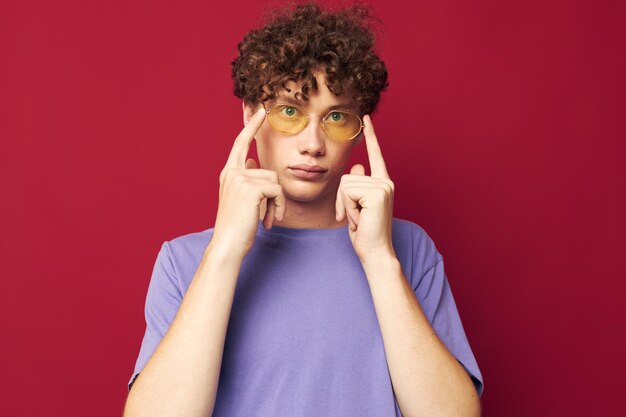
(182, 375)
(426, 377)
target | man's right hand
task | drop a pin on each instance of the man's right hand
(243, 187)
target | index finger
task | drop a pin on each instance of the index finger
(241, 145)
(374, 154)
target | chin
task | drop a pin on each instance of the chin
(303, 191)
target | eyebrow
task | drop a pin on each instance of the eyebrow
(341, 106)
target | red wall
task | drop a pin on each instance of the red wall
(503, 129)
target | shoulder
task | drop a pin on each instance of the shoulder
(187, 249)
(408, 233)
(414, 247)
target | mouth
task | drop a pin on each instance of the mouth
(308, 173)
(308, 168)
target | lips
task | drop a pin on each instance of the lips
(309, 168)
(306, 175)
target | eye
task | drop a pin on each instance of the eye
(289, 111)
(337, 116)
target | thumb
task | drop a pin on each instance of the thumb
(251, 164)
(357, 169)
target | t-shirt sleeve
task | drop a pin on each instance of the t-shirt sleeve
(435, 296)
(163, 300)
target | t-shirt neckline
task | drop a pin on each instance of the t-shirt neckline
(301, 231)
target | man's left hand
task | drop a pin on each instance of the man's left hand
(367, 201)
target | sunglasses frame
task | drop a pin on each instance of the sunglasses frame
(308, 119)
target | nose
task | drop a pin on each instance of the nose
(312, 139)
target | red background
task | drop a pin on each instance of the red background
(503, 129)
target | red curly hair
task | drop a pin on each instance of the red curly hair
(295, 44)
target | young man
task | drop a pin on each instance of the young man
(307, 298)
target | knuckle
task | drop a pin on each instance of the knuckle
(241, 180)
(381, 194)
(228, 173)
(383, 184)
(234, 176)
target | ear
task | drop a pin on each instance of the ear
(248, 112)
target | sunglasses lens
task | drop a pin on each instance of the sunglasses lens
(339, 125)
(342, 125)
(287, 119)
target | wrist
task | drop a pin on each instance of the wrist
(378, 256)
(220, 252)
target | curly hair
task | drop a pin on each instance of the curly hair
(295, 44)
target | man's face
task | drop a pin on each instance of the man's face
(280, 151)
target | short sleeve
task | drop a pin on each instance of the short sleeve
(435, 296)
(163, 300)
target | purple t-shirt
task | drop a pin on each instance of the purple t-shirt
(303, 337)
